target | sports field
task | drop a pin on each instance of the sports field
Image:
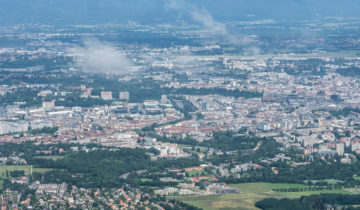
(196, 173)
(250, 193)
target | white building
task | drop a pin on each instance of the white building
(13, 127)
(340, 149)
(106, 95)
(38, 124)
(48, 105)
(164, 99)
(355, 147)
(124, 95)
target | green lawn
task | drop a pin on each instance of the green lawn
(146, 180)
(25, 168)
(42, 170)
(196, 173)
(4, 168)
(250, 193)
(52, 157)
(152, 188)
(202, 149)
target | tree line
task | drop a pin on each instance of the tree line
(313, 202)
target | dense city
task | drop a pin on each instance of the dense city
(153, 117)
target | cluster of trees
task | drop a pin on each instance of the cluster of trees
(46, 77)
(304, 67)
(16, 173)
(76, 100)
(102, 168)
(227, 73)
(139, 90)
(318, 169)
(344, 112)
(315, 188)
(24, 95)
(148, 89)
(97, 168)
(308, 202)
(25, 61)
(229, 141)
(244, 146)
(321, 170)
(29, 151)
(349, 72)
(182, 205)
(224, 141)
(219, 91)
(48, 130)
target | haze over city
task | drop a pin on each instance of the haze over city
(179, 104)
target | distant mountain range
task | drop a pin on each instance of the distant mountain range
(158, 11)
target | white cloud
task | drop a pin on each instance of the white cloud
(212, 26)
(203, 17)
(101, 57)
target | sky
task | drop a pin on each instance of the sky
(60, 12)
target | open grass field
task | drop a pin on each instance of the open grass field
(250, 193)
(196, 173)
(202, 149)
(146, 180)
(3, 169)
(52, 157)
(42, 170)
(25, 168)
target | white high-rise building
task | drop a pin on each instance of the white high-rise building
(48, 105)
(163, 99)
(124, 95)
(340, 149)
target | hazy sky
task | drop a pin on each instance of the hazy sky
(156, 11)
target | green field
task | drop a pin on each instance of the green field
(52, 157)
(146, 180)
(250, 193)
(42, 170)
(196, 173)
(25, 168)
(3, 169)
(202, 149)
